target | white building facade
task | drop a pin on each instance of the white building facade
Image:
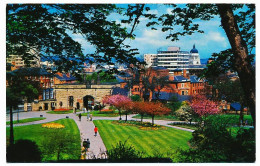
(174, 59)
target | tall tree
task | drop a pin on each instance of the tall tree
(47, 29)
(239, 28)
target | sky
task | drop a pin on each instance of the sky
(148, 41)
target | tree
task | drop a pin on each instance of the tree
(185, 113)
(18, 89)
(24, 151)
(58, 144)
(140, 108)
(174, 104)
(203, 107)
(46, 30)
(155, 108)
(119, 101)
(239, 28)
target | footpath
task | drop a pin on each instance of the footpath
(86, 127)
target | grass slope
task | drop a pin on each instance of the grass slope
(101, 114)
(149, 142)
(39, 134)
(26, 120)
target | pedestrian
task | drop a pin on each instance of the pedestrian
(74, 110)
(90, 117)
(95, 130)
(84, 109)
(79, 116)
(86, 144)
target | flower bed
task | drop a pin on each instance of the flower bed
(61, 109)
(53, 126)
(142, 126)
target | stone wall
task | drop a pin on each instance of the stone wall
(79, 92)
(62, 93)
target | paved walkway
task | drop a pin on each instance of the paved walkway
(86, 127)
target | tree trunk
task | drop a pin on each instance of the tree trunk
(241, 116)
(11, 127)
(126, 116)
(243, 67)
(120, 114)
(153, 120)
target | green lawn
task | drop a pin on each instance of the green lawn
(102, 114)
(62, 112)
(150, 142)
(163, 117)
(186, 126)
(39, 135)
(26, 120)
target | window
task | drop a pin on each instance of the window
(182, 85)
(43, 95)
(71, 101)
(182, 92)
(51, 94)
(60, 103)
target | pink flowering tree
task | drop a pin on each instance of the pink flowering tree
(121, 102)
(203, 106)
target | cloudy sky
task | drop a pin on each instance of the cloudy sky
(213, 40)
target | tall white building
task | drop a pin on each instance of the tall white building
(150, 59)
(174, 59)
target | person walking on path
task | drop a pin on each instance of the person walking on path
(95, 130)
(84, 109)
(90, 117)
(86, 144)
(79, 116)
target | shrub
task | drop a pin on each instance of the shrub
(23, 151)
(123, 153)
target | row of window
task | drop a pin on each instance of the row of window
(172, 59)
(48, 94)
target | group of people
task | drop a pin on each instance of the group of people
(89, 116)
(86, 143)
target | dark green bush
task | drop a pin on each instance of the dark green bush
(23, 151)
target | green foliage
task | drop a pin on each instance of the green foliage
(102, 114)
(123, 153)
(174, 104)
(24, 151)
(47, 28)
(60, 145)
(26, 120)
(158, 117)
(61, 112)
(185, 113)
(135, 98)
(215, 143)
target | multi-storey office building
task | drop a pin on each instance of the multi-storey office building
(174, 59)
(150, 59)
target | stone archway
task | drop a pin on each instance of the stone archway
(88, 101)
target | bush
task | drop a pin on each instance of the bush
(123, 153)
(23, 151)
(215, 143)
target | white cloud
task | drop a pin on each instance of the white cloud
(169, 10)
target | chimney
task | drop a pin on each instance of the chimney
(171, 76)
(184, 73)
(68, 74)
